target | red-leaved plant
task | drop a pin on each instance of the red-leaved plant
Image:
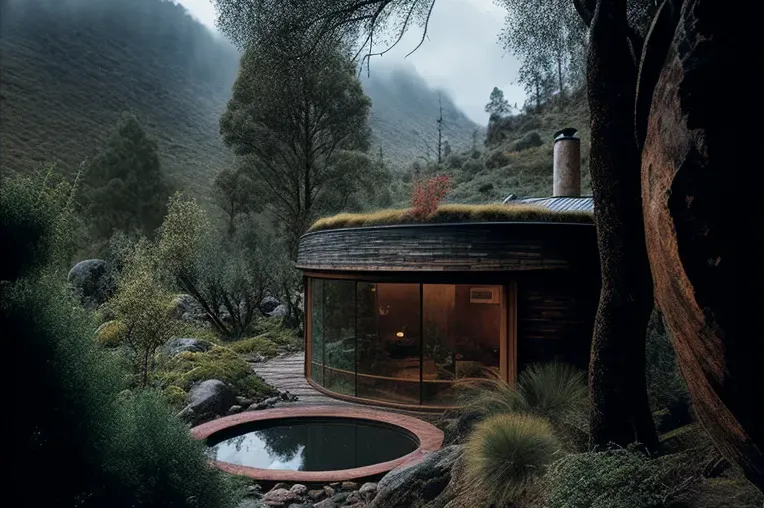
(428, 193)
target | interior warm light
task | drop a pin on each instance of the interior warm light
(399, 334)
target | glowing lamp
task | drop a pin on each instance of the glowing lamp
(399, 335)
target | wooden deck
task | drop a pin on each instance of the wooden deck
(287, 373)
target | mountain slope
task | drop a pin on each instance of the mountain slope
(70, 67)
(404, 112)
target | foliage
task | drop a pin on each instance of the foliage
(505, 453)
(450, 213)
(235, 194)
(497, 104)
(274, 330)
(175, 396)
(554, 391)
(110, 334)
(259, 345)
(223, 274)
(144, 308)
(618, 478)
(187, 368)
(295, 119)
(428, 194)
(549, 38)
(66, 83)
(126, 189)
(106, 450)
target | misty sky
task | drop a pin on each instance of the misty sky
(461, 56)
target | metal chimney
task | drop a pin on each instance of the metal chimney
(567, 163)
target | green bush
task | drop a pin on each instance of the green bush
(505, 453)
(553, 390)
(110, 334)
(107, 450)
(187, 368)
(619, 478)
(175, 396)
(274, 330)
(259, 345)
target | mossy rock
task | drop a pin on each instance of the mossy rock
(110, 334)
(187, 369)
(175, 396)
(260, 345)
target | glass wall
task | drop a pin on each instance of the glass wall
(403, 342)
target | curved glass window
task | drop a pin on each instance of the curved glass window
(405, 343)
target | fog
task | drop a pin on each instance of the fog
(461, 55)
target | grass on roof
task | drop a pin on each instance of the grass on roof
(451, 213)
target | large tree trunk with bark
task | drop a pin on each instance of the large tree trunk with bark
(701, 222)
(620, 412)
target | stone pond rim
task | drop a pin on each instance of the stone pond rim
(429, 437)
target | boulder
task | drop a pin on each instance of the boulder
(268, 304)
(368, 490)
(279, 311)
(92, 281)
(207, 399)
(187, 308)
(414, 486)
(279, 498)
(234, 409)
(249, 502)
(174, 347)
(326, 503)
(349, 486)
(529, 140)
(299, 489)
(316, 494)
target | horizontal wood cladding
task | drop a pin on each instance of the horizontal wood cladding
(449, 247)
(555, 318)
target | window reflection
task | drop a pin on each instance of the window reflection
(367, 342)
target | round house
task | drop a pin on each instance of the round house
(395, 314)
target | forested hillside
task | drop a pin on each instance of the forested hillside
(405, 113)
(70, 68)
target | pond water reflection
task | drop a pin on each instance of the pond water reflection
(312, 444)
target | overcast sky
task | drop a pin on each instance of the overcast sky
(461, 55)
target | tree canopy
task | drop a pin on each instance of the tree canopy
(296, 121)
(497, 104)
(125, 187)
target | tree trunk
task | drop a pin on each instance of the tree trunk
(620, 412)
(559, 74)
(701, 227)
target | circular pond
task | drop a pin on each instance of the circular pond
(312, 444)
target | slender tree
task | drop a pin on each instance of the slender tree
(497, 104)
(296, 118)
(235, 194)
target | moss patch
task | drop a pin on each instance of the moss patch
(175, 396)
(187, 368)
(285, 338)
(260, 345)
(110, 334)
(451, 213)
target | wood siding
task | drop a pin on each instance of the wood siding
(555, 318)
(468, 247)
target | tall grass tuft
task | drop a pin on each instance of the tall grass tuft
(553, 390)
(505, 453)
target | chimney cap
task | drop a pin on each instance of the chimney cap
(566, 133)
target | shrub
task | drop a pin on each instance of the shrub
(187, 368)
(554, 391)
(529, 140)
(260, 345)
(428, 194)
(472, 167)
(619, 478)
(505, 453)
(497, 159)
(175, 396)
(144, 306)
(110, 334)
(274, 330)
